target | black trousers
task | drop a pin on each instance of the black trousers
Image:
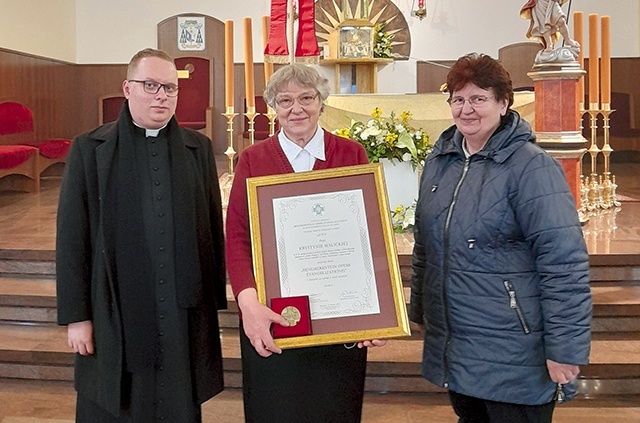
(303, 385)
(476, 410)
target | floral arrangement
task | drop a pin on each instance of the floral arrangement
(382, 41)
(393, 138)
(403, 218)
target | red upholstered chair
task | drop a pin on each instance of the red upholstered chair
(19, 167)
(109, 107)
(195, 92)
(17, 128)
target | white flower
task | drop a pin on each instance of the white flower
(409, 217)
(400, 128)
(370, 132)
(418, 135)
(406, 157)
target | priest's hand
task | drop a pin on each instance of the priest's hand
(257, 320)
(562, 373)
(372, 343)
(80, 337)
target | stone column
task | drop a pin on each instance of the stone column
(557, 123)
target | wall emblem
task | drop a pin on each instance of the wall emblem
(191, 33)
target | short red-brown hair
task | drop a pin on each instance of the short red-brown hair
(147, 52)
(483, 71)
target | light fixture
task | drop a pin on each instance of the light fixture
(421, 11)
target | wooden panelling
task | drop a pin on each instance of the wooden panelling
(64, 96)
(431, 75)
(624, 79)
(517, 60)
(94, 82)
(47, 87)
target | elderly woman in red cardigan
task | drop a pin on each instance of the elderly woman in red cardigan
(315, 384)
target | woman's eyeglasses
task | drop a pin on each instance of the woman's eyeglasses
(474, 101)
(303, 100)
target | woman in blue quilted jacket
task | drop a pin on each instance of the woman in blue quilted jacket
(501, 272)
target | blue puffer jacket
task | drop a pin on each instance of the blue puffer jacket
(501, 269)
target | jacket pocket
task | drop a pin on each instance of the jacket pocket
(513, 303)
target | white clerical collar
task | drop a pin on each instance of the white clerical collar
(151, 132)
(303, 159)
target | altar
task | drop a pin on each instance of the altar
(430, 112)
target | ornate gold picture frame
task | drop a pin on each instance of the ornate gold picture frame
(329, 232)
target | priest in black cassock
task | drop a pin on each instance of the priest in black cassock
(140, 265)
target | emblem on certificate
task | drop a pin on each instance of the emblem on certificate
(296, 311)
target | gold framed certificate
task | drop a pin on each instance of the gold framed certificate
(327, 235)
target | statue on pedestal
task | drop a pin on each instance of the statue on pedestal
(547, 20)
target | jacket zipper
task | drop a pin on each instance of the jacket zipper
(445, 305)
(513, 303)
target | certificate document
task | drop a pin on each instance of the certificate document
(324, 251)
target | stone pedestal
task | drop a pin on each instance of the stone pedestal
(557, 121)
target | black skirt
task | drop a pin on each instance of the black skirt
(303, 385)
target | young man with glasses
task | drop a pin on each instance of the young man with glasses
(140, 258)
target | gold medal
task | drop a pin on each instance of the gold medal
(291, 314)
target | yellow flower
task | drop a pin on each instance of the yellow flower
(399, 209)
(392, 138)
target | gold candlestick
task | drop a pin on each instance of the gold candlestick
(606, 148)
(593, 149)
(271, 115)
(584, 179)
(614, 196)
(607, 197)
(584, 200)
(230, 115)
(594, 200)
(251, 115)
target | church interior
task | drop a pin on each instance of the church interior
(61, 73)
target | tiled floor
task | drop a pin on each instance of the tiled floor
(52, 402)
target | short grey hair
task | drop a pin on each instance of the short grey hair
(303, 75)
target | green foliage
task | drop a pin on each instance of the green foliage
(382, 41)
(393, 138)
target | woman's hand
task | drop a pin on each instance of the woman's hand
(562, 373)
(80, 337)
(257, 320)
(372, 343)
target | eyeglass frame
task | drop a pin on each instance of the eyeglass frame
(470, 100)
(160, 85)
(293, 100)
